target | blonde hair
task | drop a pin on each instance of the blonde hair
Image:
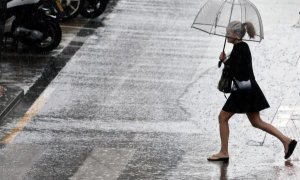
(249, 28)
(241, 28)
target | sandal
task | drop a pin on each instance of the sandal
(217, 158)
(291, 148)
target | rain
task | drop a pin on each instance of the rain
(132, 94)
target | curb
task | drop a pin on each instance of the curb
(12, 97)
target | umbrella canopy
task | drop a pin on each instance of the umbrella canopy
(215, 15)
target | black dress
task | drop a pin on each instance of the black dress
(244, 101)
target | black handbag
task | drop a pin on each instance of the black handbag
(225, 82)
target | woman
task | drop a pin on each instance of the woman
(246, 96)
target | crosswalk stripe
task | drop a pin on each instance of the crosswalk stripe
(17, 159)
(104, 163)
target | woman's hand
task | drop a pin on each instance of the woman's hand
(222, 56)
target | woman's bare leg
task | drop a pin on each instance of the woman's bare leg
(224, 133)
(257, 122)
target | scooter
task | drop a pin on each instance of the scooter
(93, 8)
(87, 8)
(71, 8)
(33, 23)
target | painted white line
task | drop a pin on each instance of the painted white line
(286, 108)
(124, 78)
(281, 122)
(104, 163)
(126, 125)
(284, 115)
(17, 159)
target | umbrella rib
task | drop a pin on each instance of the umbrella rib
(209, 25)
(231, 11)
(200, 11)
(217, 16)
(245, 13)
(241, 12)
(259, 19)
(223, 35)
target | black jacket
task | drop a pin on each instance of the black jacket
(240, 62)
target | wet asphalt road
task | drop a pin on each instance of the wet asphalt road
(115, 110)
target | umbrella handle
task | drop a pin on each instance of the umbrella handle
(224, 45)
(220, 62)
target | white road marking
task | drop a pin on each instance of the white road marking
(17, 159)
(104, 163)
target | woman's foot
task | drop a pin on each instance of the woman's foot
(219, 157)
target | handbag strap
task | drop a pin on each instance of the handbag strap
(235, 83)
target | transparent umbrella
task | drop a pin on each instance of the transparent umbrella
(215, 15)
